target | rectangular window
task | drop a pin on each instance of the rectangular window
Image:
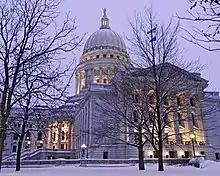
(178, 101)
(135, 116)
(14, 149)
(62, 146)
(217, 156)
(194, 121)
(105, 155)
(180, 119)
(192, 101)
(15, 137)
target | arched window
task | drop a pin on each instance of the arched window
(97, 80)
(105, 81)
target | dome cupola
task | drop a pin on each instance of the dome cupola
(105, 38)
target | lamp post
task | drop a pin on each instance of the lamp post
(83, 147)
(192, 137)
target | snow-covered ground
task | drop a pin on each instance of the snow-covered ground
(212, 169)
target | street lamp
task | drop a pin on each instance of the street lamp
(192, 137)
(83, 147)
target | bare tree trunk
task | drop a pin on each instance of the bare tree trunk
(160, 157)
(2, 133)
(2, 139)
(18, 159)
(141, 157)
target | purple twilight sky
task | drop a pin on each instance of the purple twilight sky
(89, 12)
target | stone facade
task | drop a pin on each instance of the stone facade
(103, 55)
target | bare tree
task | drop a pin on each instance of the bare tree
(28, 34)
(204, 15)
(148, 100)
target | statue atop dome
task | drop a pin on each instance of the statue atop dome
(105, 20)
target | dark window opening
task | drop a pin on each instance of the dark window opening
(97, 56)
(178, 101)
(105, 155)
(97, 80)
(15, 137)
(194, 120)
(105, 81)
(62, 146)
(54, 136)
(192, 101)
(111, 56)
(135, 116)
(118, 57)
(28, 136)
(173, 154)
(180, 119)
(104, 55)
(39, 136)
(63, 135)
(14, 149)
(27, 146)
(217, 156)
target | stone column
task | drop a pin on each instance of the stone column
(176, 122)
(77, 84)
(69, 136)
(59, 136)
(100, 75)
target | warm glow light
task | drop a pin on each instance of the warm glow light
(181, 153)
(192, 136)
(83, 146)
(28, 142)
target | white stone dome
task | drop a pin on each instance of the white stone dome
(105, 38)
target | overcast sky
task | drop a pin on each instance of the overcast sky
(89, 12)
